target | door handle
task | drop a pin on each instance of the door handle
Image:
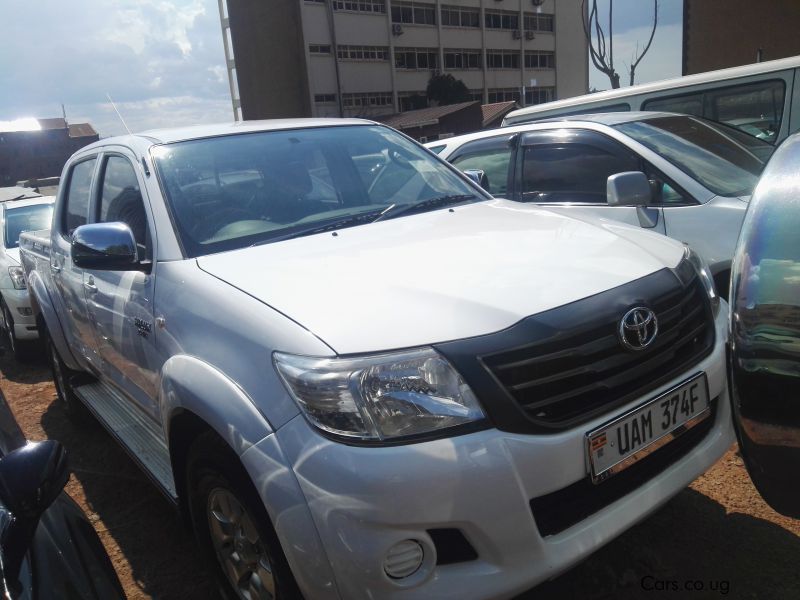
(55, 268)
(90, 286)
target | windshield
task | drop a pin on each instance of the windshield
(26, 218)
(723, 163)
(239, 190)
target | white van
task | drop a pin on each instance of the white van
(754, 98)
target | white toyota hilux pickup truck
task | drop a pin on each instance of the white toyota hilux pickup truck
(359, 374)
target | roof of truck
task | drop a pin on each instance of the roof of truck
(192, 132)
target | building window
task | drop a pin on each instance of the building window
(539, 95)
(503, 95)
(414, 13)
(325, 98)
(456, 59)
(317, 1)
(502, 59)
(368, 6)
(319, 48)
(364, 53)
(501, 20)
(460, 16)
(416, 58)
(476, 95)
(538, 22)
(540, 60)
(367, 100)
(412, 100)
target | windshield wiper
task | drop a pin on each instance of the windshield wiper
(348, 221)
(396, 210)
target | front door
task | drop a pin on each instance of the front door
(120, 303)
(567, 170)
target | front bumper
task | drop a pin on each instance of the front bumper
(19, 303)
(365, 499)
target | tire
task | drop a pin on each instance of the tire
(232, 526)
(62, 377)
(22, 350)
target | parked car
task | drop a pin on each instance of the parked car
(765, 332)
(16, 315)
(757, 99)
(48, 548)
(361, 375)
(700, 174)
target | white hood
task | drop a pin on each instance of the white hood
(440, 275)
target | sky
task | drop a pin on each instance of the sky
(163, 64)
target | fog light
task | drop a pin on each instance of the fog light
(25, 311)
(403, 559)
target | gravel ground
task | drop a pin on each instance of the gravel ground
(715, 539)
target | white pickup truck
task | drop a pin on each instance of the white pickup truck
(359, 374)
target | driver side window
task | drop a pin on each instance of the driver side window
(121, 200)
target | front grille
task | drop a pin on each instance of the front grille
(562, 367)
(570, 378)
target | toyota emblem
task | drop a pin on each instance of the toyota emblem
(638, 328)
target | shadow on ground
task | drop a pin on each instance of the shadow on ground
(691, 549)
(162, 555)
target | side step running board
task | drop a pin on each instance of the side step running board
(137, 433)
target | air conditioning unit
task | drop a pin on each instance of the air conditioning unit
(529, 35)
(397, 29)
(516, 34)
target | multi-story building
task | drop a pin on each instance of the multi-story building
(289, 58)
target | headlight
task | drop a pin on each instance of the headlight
(17, 276)
(704, 273)
(380, 397)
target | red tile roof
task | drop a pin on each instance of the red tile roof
(498, 110)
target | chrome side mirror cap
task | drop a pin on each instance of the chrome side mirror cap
(631, 188)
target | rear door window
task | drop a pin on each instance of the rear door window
(76, 209)
(493, 157)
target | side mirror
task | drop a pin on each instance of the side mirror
(109, 246)
(31, 478)
(631, 188)
(478, 176)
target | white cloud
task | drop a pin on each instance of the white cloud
(162, 61)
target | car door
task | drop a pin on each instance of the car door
(120, 303)
(765, 333)
(68, 279)
(567, 169)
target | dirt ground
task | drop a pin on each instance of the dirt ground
(715, 539)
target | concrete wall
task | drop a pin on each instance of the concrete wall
(270, 54)
(728, 33)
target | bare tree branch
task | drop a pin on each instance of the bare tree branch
(650, 41)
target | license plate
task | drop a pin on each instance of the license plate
(629, 438)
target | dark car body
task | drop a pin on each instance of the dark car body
(765, 332)
(65, 558)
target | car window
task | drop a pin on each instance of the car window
(437, 149)
(237, 190)
(121, 199)
(704, 151)
(754, 108)
(76, 209)
(493, 162)
(570, 172)
(25, 218)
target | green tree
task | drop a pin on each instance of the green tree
(446, 89)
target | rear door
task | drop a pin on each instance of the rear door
(120, 303)
(567, 169)
(68, 279)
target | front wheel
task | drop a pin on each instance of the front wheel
(233, 528)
